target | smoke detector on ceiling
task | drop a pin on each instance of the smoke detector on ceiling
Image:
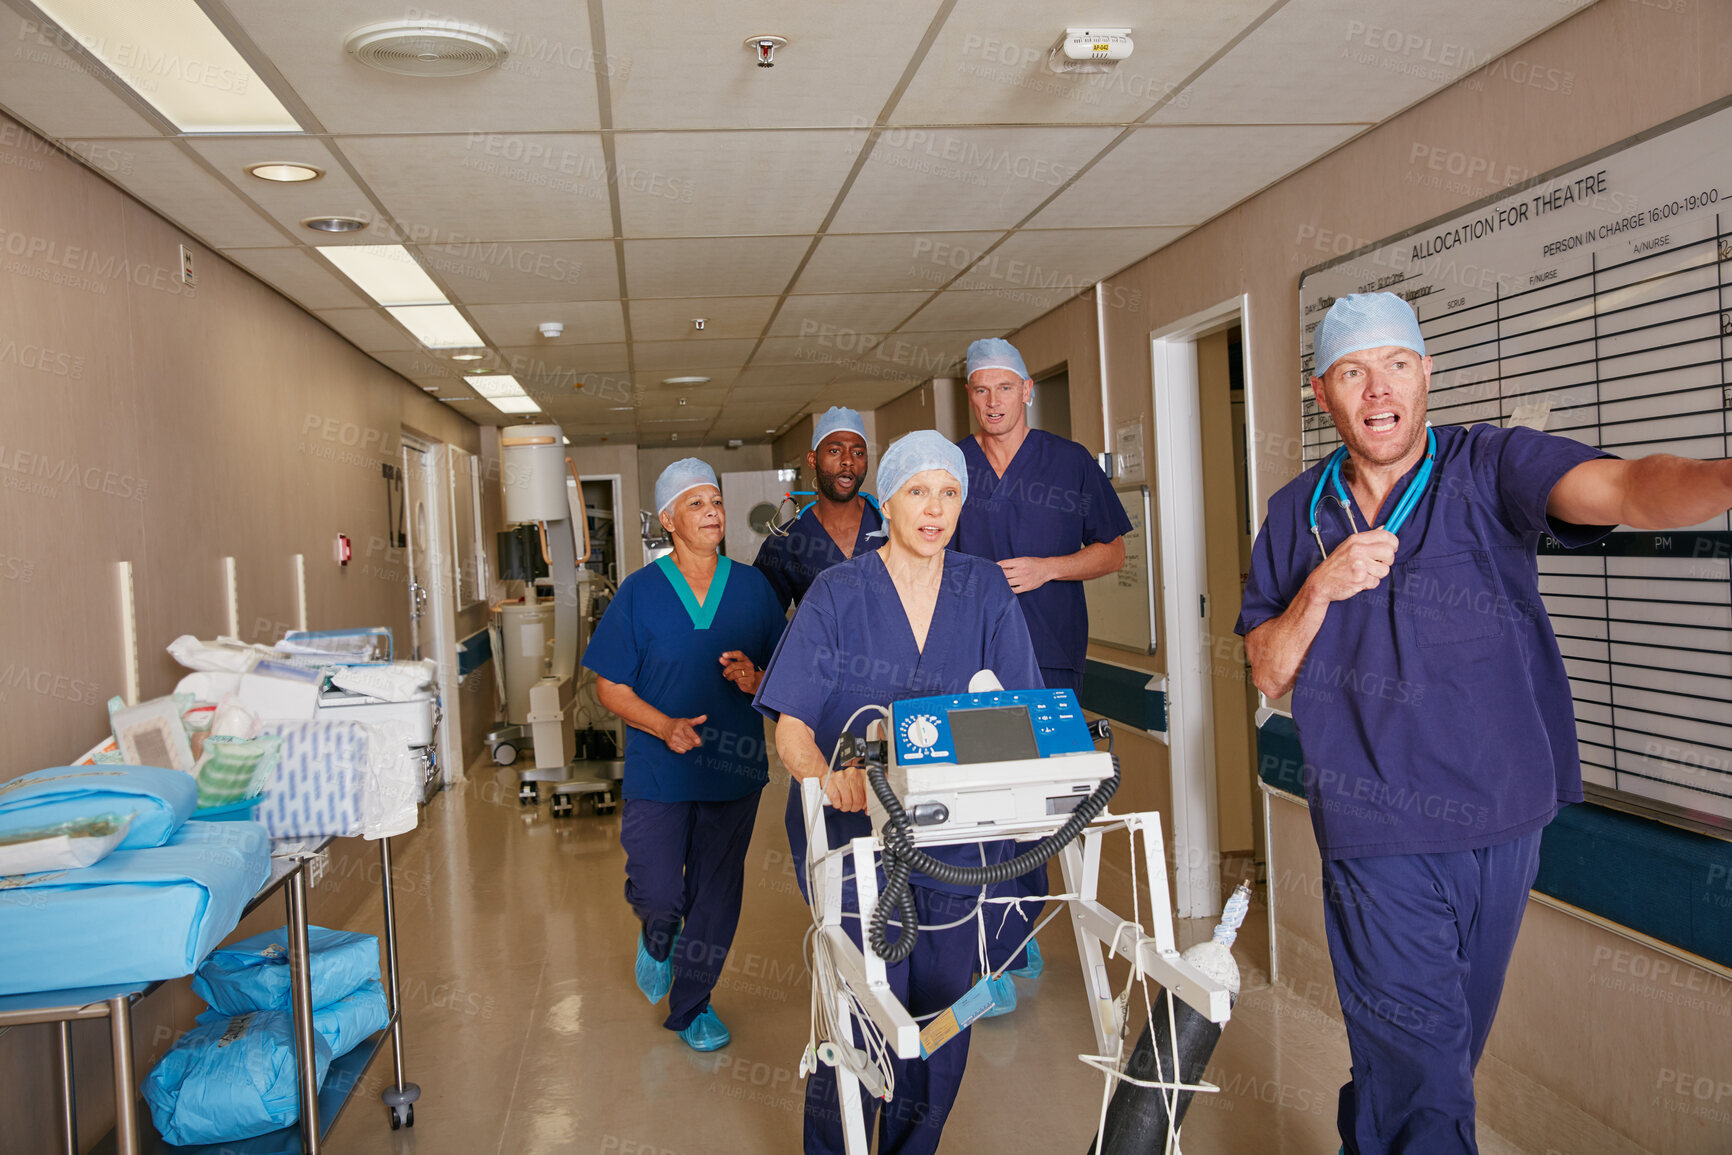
(426, 48)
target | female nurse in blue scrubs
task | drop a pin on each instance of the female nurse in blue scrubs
(910, 619)
(678, 655)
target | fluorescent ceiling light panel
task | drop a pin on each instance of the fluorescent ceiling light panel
(436, 326)
(386, 273)
(514, 404)
(174, 58)
(492, 385)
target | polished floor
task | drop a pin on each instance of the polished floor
(528, 1037)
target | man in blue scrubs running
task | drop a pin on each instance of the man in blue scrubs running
(1394, 592)
(1040, 507)
(836, 526)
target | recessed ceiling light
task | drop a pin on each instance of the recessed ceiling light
(389, 275)
(467, 356)
(335, 224)
(285, 171)
(685, 380)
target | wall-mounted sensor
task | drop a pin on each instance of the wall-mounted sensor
(552, 329)
(1090, 50)
(765, 48)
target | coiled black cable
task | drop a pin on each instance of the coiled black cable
(902, 858)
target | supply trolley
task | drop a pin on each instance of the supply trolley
(133, 1133)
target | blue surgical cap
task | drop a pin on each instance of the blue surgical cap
(1364, 321)
(686, 473)
(837, 420)
(916, 453)
(995, 353)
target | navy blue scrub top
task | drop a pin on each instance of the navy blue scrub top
(1052, 501)
(793, 562)
(649, 641)
(850, 645)
(1434, 711)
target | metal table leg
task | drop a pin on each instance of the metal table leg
(400, 1097)
(68, 1089)
(301, 996)
(125, 1106)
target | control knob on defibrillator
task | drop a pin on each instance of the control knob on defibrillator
(921, 733)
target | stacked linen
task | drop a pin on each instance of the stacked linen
(234, 1076)
(152, 909)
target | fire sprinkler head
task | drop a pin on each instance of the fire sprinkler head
(765, 48)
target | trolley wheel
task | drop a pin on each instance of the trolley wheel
(605, 804)
(562, 806)
(504, 754)
(529, 794)
(402, 1116)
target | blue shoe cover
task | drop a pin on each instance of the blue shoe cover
(706, 1032)
(654, 978)
(1003, 997)
(1036, 964)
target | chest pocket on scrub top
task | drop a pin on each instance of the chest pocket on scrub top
(1452, 599)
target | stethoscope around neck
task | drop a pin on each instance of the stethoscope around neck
(1331, 479)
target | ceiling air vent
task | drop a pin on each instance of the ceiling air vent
(421, 48)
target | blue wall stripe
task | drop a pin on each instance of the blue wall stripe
(477, 651)
(1123, 696)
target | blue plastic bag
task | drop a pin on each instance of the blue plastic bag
(253, 974)
(159, 800)
(230, 1079)
(346, 1023)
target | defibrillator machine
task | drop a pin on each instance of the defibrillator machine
(1010, 760)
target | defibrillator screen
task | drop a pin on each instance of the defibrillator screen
(993, 734)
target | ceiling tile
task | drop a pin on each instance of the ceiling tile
(47, 86)
(547, 80)
(446, 190)
(420, 365)
(770, 378)
(507, 272)
(701, 75)
(988, 65)
(887, 262)
(368, 329)
(1184, 176)
(1062, 261)
(1382, 55)
(697, 354)
(825, 353)
(712, 267)
(586, 323)
(178, 187)
(917, 356)
(707, 184)
(992, 312)
(860, 312)
(670, 318)
(963, 178)
(300, 275)
(563, 361)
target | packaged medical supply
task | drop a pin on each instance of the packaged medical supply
(159, 800)
(276, 691)
(253, 974)
(344, 1024)
(366, 644)
(135, 916)
(151, 733)
(235, 768)
(230, 1079)
(225, 655)
(397, 682)
(63, 846)
(317, 785)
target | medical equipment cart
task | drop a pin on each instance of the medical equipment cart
(134, 1135)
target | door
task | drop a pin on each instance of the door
(432, 593)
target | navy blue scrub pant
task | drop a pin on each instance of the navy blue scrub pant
(939, 972)
(1420, 944)
(1004, 933)
(685, 866)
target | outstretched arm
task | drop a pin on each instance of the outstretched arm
(1656, 492)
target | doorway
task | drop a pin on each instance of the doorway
(432, 594)
(1200, 474)
(1049, 407)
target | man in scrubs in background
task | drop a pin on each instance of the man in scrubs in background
(1040, 506)
(835, 527)
(1401, 608)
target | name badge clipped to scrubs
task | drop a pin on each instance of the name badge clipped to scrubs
(956, 1018)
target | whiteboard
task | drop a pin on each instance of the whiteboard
(1122, 605)
(1596, 303)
